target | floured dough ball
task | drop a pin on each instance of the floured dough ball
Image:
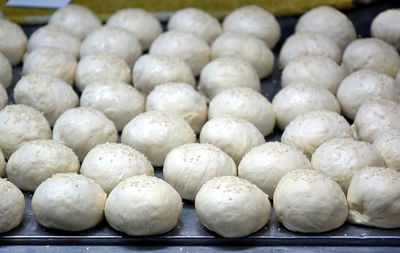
(384, 27)
(181, 99)
(101, 67)
(39, 160)
(47, 94)
(373, 54)
(388, 145)
(265, 165)
(20, 124)
(141, 23)
(227, 72)
(12, 206)
(234, 136)
(68, 201)
(309, 44)
(156, 133)
(78, 19)
(110, 163)
(5, 71)
(2, 164)
(189, 166)
(156, 209)
(232, 207)
(120, 102)
(245, 46)
(3, 97)
(82, 129)
(306, 201)
(313, 69)
(247, 104)
(12, 41)
(300, 98)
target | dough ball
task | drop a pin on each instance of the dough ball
(247, 104)
(189, 166)
(12, 41)
(309, 44)
(82, 129)
(110, 163)
(155, 210)
(39, 160)
(20, 124)
(5, 71)
(68, 201)
(265, 165)
(232, 135)
(300, 98)
(2, 165)
(232, 207)
(306, 201)
(141, 23)
(120, 102)
(247, 47)
(101, 67)
(47, 94)
(373, 54)
(3, 97)
(77, 19)
(12, 206)
(156, 133)
(385, 27)
(388, 145)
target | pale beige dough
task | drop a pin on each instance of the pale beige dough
(2, 165)
(13, 41)
(385, 27)
(12, 206)
(388, 145)
(5, 71)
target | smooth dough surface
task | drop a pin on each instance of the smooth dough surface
(388, 145)
(12, 206)
(385, 27)
(3, 97)
(13, 41)
(5, 71)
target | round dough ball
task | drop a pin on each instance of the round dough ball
(143, 205)
(184, 45)
(47, 94)
(20, 124)
(385, 27)
(5, 71)
(388, 145)
(2, 165)
(39, 160)
(247, 104)
(156, 133)
(135, 20)
(82, 129)
(373, 54)
(309, 44)
(110, 163)
(265, 165)
(120, 102)
(12, 41)
(3, 97)
(306, 201)
(245, 46)
(227, 72)
(68, 201)
(12, 206)
(189, 166)
(232, 207)
(300, 98)
(232, 135)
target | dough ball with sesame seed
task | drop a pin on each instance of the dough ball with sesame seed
(388, 145)
(385, 27)
(5, 71)
(3, 97)
(13, 41)
(12, 206)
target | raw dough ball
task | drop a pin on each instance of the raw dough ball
(120, 102)
(39, 160)
(184, 45)
(139, 22)
(373, 198)
(388, 145)
(300, 98)
(143, 205)
(227, 72)
(265, 165)
(156, 133)
(373, 54)
(245, 46)
(385, 27)
(247, 104)
(232, 207)
(3, 97)
(12, 41)
(68, 201)
(12, 206)
(189, 166)
(20, 124)
(101, 67)
(234, 136)
(5, 71)
(308, 44)
(306, 201)
(82, 129)
(109, 164)
(47, 94)
(362, 85)
(181, 99)
(2, 164)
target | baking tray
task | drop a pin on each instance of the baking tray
(189, 231)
